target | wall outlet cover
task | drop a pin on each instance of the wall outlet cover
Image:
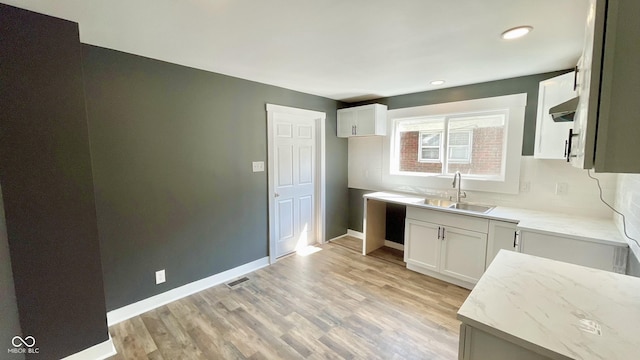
(258, 166)
(562, 188)
(160, 277)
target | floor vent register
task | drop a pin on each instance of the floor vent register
(235, 283)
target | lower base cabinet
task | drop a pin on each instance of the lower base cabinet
(443, 251)
(476, 344)
(462, 255)
(580, 252)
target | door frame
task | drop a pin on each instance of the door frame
(320, 173)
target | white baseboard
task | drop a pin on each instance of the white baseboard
(393, 245)
(97, 352)
(142, 306)
(359, 235)
(337, 237)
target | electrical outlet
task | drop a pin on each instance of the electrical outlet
(160, 277)
(258, 166)
(525, 186)
(562, 188)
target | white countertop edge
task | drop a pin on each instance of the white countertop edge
(621, 242)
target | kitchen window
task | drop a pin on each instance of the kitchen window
(480, 138)
(471, 143)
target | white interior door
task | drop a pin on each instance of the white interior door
(294, 146)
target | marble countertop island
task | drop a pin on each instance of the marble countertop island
(556, 309)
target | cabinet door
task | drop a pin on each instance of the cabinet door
(346, 122)
(463, 254)
(589, 70)
(502, 235)
(618, 126)
(421, 244)
(551, 135)
(365, 121)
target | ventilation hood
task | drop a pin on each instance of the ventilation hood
(565, 111)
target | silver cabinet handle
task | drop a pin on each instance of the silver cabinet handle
(438, 232)
(443, 233)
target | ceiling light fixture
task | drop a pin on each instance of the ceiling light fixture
(437, 82)
(516, 32)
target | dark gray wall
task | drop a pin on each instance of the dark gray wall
(10, 324)
(395, 215)
(525, 84)
(47, 186)
(172, 148)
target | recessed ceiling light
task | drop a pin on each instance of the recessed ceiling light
(516, 32)
(437, 82)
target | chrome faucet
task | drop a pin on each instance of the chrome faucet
(458, 177)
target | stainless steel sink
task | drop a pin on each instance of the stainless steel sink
(471, 207)
(439, 202)
(458, 205)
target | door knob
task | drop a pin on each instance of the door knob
(276, 195)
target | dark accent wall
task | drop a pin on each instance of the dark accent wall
(525, 84)
(172, 148)
(10, 324)
(356, 208)
(395, 223)
(394, 218)
(47, 186)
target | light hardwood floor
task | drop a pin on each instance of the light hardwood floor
(385, 253)
(332, 304)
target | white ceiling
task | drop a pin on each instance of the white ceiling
(341, 49)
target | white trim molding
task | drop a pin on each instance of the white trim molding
(513, 106)
(355, 234)
(96, 352)
(142, 306)
(393, 245)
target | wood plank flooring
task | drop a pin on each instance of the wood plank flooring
(385, 253)
(332, 304)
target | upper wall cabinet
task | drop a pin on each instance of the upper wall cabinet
(551, 136)
(607, 122)
(366, 120)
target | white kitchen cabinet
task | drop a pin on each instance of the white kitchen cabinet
(366, 120)
(502, 235)
(606, 127)
(462, 254)
(425, 244)
(580, 252)
(550, 135)
(446, 246)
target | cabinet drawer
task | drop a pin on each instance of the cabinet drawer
(448, 219)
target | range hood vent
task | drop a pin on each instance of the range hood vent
(565, 111)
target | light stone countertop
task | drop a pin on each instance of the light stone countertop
(546, 306)
(579, 227)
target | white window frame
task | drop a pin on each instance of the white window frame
(469, 146)
(439, 147)
(513, 105)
